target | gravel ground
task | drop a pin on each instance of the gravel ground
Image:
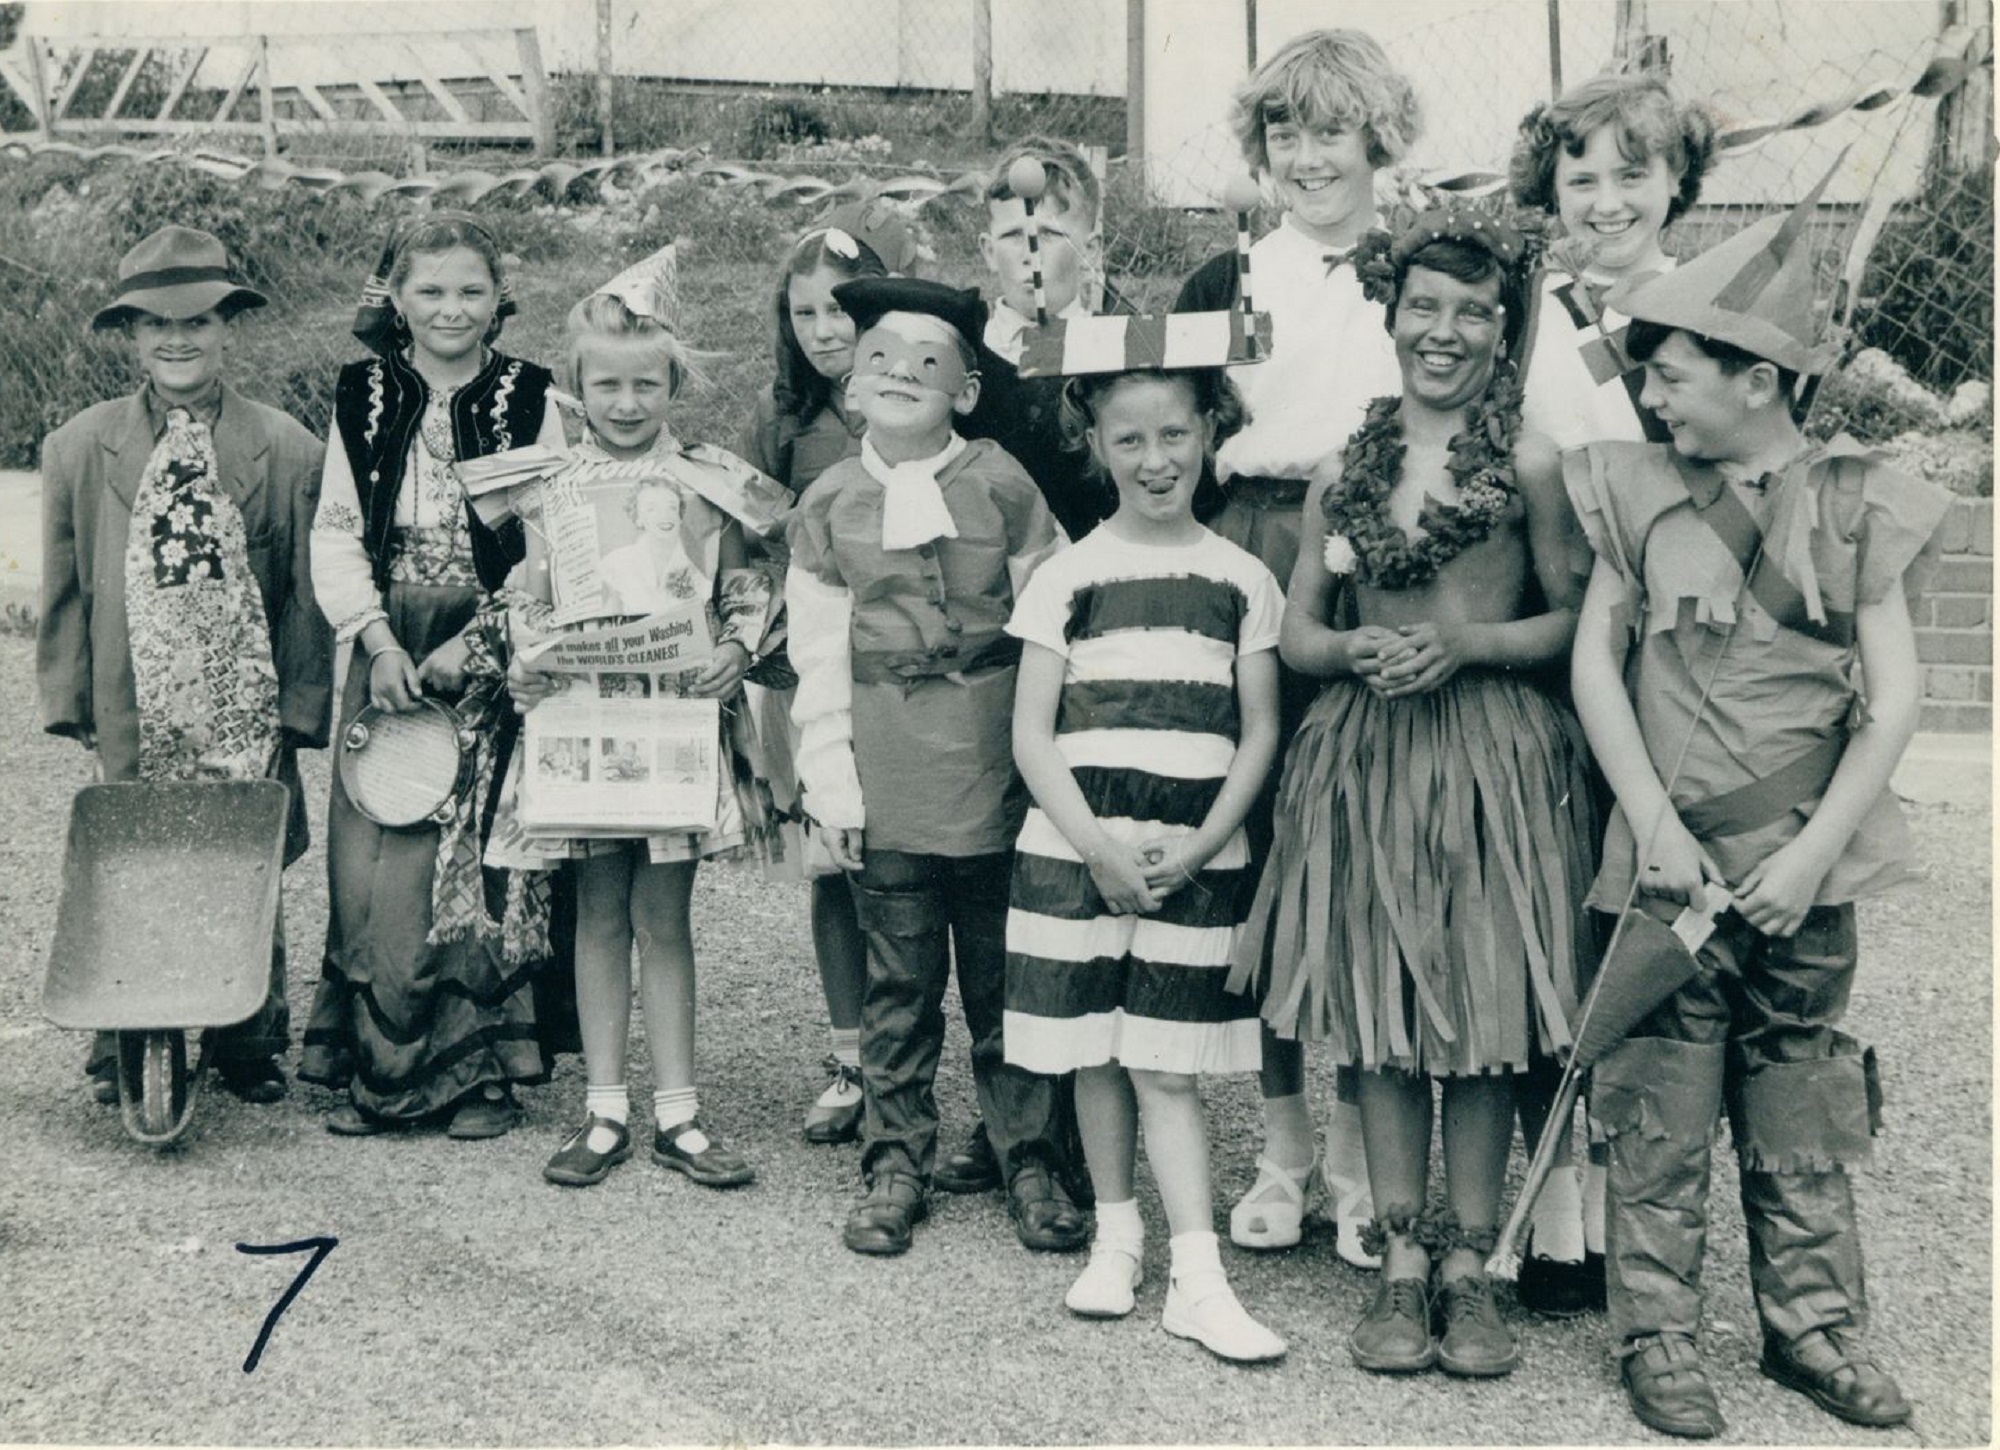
(470, 1303)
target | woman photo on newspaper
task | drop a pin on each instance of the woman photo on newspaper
(636, 574)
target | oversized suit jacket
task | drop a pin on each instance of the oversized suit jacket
(91, 466)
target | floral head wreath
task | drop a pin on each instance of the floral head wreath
(1381, 256)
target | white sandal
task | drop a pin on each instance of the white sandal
(1272, 1214)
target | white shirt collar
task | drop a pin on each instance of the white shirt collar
(914, 512)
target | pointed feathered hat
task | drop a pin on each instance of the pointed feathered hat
(1753, 291)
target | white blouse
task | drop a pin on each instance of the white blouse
(1330, 356)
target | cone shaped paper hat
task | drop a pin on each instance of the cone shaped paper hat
(1753, 291)
(650, 288)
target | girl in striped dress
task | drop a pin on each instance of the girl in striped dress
(1145, 720)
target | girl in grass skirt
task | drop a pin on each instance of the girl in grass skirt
(1422, 910)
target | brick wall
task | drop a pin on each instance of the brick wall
(1955, 624)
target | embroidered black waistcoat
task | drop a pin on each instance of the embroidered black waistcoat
(378, 406)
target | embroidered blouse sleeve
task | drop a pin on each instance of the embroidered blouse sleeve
(343, 579)
(821, 610)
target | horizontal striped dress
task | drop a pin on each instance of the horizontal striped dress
(1148, 724)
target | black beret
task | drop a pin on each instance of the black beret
(867, 299)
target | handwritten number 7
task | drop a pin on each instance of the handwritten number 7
(320, 1247)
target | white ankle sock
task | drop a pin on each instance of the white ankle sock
(1288, 1131)
(847, 1045)
(1559, 1217)
(1120, 1227)
(1195, 1253)
(674, 1106)
(1593, 1204)
(614, 1103)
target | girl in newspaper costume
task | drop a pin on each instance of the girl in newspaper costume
(692, 507)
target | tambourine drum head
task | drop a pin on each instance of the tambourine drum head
(399, 769)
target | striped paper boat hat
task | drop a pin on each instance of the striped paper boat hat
(1165, 342)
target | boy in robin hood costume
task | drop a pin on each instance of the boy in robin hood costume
(1745, 668)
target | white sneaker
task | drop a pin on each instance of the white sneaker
(1203, 1307)
(1104, 1290)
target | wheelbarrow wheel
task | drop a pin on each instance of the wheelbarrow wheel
(154, 1084)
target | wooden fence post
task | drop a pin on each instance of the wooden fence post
(1555, 49)
(982, 70)
(604, 76)
(1964, 140)
(535, 81)
(267, 96)
(38, 76)
(1135, 92)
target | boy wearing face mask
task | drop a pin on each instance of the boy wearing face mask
(906, 562)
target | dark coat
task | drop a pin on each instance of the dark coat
(91, 466)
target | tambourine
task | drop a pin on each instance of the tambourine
(407, 769)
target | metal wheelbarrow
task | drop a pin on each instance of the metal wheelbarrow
(169, 901)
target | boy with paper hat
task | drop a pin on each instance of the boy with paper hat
(906, 563)
(1743, 574)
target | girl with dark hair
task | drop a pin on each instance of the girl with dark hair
(427, 1003)
(1617, 160)
(1422, 909)
(801, 428)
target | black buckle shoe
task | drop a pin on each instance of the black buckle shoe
(1668, 1388)
(1044, 1218)
(1838, 1377)
(577, 1165)
(885, 1219)
(975, 1168)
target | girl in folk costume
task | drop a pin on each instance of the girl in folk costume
(1617, 160)
(1145, 721)
(802, 427)
(1318, 119)
(428, 1000)
(693, 506)
(1422, 910)
(178, 636)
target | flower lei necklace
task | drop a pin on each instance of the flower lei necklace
(1363, 539)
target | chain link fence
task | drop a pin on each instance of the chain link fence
(857, 95)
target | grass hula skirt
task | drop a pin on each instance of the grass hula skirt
(1423, 904)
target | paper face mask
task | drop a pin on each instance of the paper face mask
(932, 362)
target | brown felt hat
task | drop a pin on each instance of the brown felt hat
(176, 273)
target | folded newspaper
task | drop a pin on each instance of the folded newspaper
(618, 750)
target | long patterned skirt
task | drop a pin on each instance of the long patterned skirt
(411, 1027)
